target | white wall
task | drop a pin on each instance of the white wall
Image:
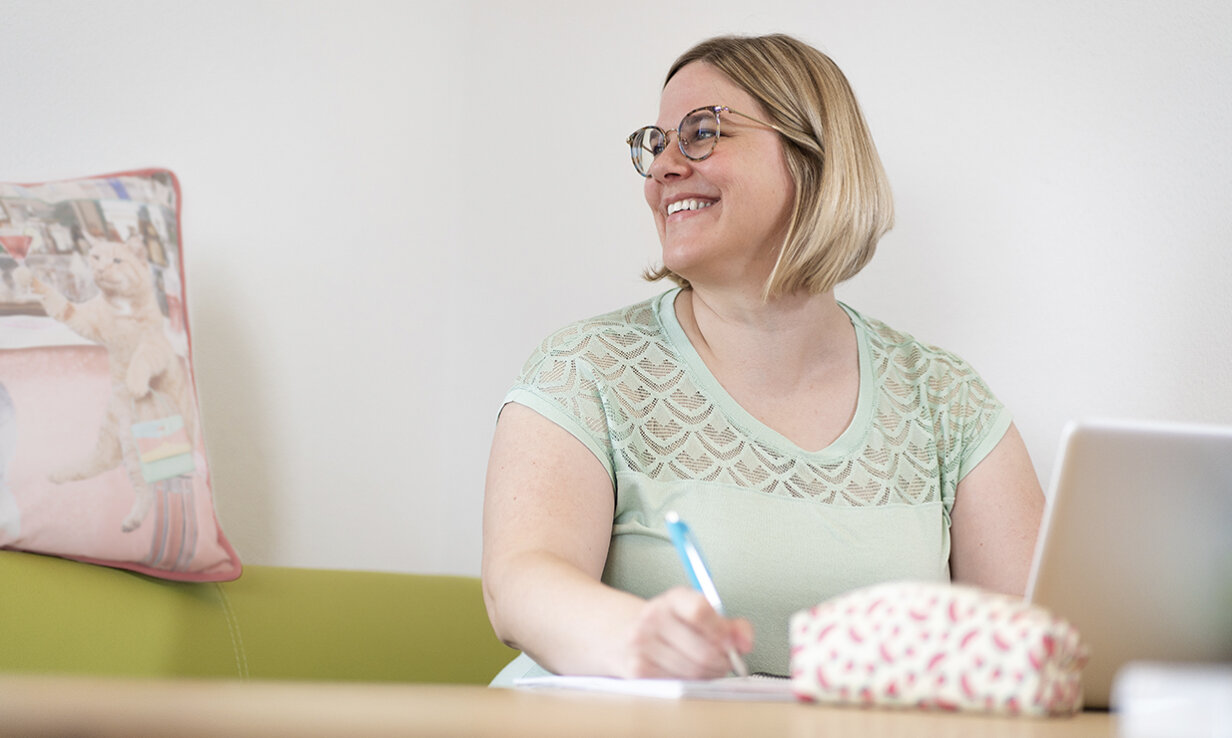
(387, 205)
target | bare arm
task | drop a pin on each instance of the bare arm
(996, 519)
(547, 523)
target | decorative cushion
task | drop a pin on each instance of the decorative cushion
(101, 453)
(939, 646)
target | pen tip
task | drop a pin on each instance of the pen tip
(671, 517)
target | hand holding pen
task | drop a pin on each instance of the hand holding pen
(699, 577)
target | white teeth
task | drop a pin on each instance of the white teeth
(679, 205)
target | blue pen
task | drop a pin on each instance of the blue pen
(699, 576)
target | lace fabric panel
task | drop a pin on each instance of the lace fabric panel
(622, 382)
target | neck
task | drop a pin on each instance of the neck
(778, 341)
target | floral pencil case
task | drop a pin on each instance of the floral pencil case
(937, 646)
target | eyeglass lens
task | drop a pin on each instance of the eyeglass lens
(697, 136)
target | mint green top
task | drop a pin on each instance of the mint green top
(781, 528)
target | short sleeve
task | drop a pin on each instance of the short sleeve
(968, 419)
(559, 383)
(983, 420)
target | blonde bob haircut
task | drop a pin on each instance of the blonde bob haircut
(843, 204)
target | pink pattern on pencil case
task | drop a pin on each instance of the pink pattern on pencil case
(937, 646)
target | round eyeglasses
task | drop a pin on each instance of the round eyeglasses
(697, 135)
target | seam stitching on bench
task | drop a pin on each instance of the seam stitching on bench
(233, 629)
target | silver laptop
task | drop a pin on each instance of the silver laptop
(1136, 545)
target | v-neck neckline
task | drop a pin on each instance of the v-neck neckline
(847, 442)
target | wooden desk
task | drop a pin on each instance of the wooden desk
(35, 706)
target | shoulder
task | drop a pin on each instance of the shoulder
(909, 360)
(613, 337)
(639, 319)
(940, 388)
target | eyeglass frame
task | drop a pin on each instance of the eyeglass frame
(718, 119)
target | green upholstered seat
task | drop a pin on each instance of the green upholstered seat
(60, 616)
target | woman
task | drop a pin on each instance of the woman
(812, 449)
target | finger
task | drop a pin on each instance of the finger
(695, 611)
(665, 646)
(741, 635)
(666, 641)
(730, 636)
(701, 653)
(702, 635)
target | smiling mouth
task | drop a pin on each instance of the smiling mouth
(679, 205)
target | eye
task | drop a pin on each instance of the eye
(699, 126)
(653, 141)
(707, 128)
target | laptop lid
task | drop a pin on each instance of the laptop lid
(1135, 549)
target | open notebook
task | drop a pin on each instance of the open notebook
(756, 688)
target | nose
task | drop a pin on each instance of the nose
(671, 163)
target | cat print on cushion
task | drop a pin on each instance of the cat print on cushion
(148, 378)
(10, 515)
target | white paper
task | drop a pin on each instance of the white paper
(757, 688)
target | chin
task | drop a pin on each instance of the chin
(681, 267)
(685, 258)
(680, 253)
